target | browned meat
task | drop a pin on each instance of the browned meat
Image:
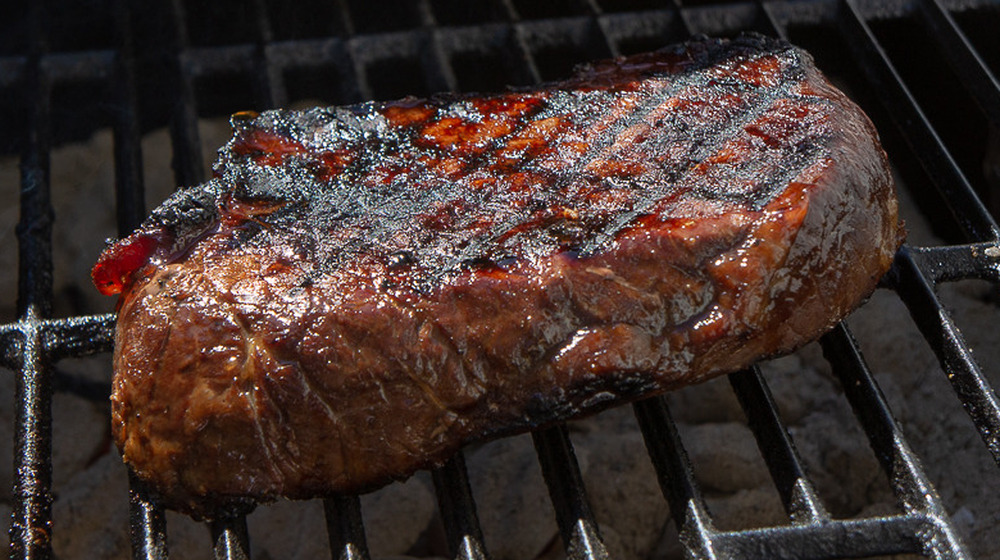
(361, 290)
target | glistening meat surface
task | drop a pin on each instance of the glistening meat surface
(361, 290)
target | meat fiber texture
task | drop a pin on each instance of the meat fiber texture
(359, 291)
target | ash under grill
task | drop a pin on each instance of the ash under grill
(924, 70)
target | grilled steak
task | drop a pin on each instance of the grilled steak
(361, 290)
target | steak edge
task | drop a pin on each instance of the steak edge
(359, 291)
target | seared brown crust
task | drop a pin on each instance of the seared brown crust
(255, 359)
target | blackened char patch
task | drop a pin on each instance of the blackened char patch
(454, 181)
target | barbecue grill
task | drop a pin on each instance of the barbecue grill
(923, 69)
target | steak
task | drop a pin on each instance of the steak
(361, 290)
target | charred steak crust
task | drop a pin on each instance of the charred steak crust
(361, 290)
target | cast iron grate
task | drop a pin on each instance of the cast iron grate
(435, 45)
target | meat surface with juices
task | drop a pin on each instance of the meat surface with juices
(361, 290)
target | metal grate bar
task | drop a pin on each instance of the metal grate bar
(785, 13)
(359, 72)
(345, 16)
(61, 338)
(683, 19)
(78, 336)
(318, 53)
(148, 523)
(230, 540)
(440, 74)
(676, 477)
(345, 528)
(621, 27)
(924, 527)
(78, 67)
(965, 60)
(129, 192)
(509, 10)
(185, 139)
(577, 525)
(578, 31)
(966, 208)
(957, 262)
(853, 538)
(770, 19)
(520, 43)
(912, 488)
(368, 49)
(458, 510)
(977, 395)
(797, 493)
(736, 18)
(208, 61)
(268, 79)
(603, 30)
(493, 39)
(34, 230)
(425, 14)
(31, 517)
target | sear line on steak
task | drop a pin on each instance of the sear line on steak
(360, 290)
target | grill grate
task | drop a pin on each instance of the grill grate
(435, 45)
